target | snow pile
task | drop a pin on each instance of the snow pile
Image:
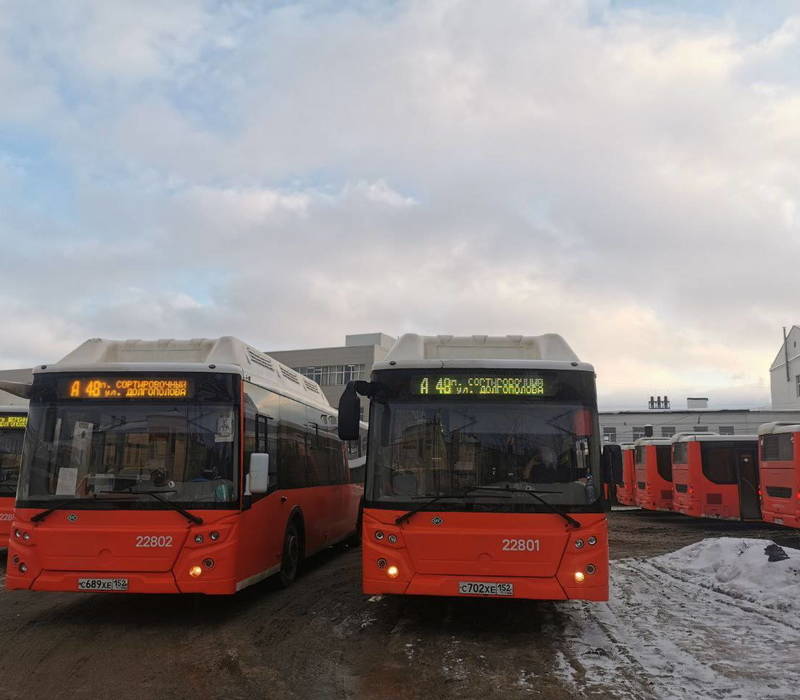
(740, 568)
(711, 620)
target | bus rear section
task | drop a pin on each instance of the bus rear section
(198, 466)
(13, 419)
(626, 491)
(653, 473)
(716, 476)
(779, 473)
(483, 477)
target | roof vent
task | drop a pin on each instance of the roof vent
(291, 376)
(311, 386)
(259, 359)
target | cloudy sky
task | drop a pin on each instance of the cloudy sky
(623, 173)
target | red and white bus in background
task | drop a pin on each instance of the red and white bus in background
(653, 473)
(626, 491)
(175, 466)
(483, 470)
(715, 476)
(779, 473)
(13, 419)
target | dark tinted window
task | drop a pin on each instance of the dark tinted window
(719, 463)
(664, 462)
(776, 447)
(679, 453)
(640, 454)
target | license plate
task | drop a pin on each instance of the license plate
(478, 588)
(102, 584)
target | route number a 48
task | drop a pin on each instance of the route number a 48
(521, 545)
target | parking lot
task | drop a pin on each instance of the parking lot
(322, 638)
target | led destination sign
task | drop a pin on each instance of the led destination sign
(13, 422)
(123, 388)
(522, 385)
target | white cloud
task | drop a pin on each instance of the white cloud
(443, 166)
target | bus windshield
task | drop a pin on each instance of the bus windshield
(94, 450)
(10, 458)
(428, 449)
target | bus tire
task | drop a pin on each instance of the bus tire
(292, 554)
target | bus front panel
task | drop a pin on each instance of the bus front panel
(485, 483)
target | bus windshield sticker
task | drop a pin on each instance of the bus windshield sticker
(224, 428)
(67, 481)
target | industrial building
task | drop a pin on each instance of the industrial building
(333, 367)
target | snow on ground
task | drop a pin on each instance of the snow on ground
(715, 619)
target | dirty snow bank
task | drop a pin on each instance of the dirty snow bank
(708, 620)
(740, 568)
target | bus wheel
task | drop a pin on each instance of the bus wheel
(292, 553)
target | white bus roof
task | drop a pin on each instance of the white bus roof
(13, 408)
(778, 427)
(712, 437)
(652, 441)
(225, 354)
(548, 351)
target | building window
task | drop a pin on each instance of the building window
(638, 431)
(797, 383)
(609, 434)
(700, 428)
(667, 430)
(726, 430)
(327, 375)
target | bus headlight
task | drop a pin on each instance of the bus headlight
(23, 567)
(392, 571)
(198, 539)
(214, 535)
(579, 577)
(579, 543)
(195, 571)
(592, 540)
(591, 568)
(379, 535)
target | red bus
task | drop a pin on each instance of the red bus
(626, 491)
(715, 476)
(13, 420)
(175, 466)
(483, 470)
(653, 473)
(779, 473)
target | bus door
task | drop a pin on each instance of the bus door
(747, 471)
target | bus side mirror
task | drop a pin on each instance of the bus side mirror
(349, 413)
(260, 475)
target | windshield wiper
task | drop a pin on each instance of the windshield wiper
(63, 504)
(52, 509)
(535, 494)
(405, 516)
(196, 519)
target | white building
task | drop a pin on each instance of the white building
(784, 373)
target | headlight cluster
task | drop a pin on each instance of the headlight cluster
(22, 536)
(591, 540)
